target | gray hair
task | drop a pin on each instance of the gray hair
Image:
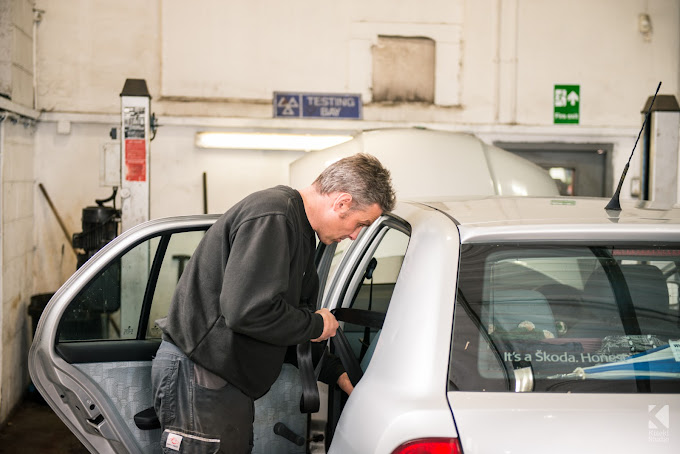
(363, 177)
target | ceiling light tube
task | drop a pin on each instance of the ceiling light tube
(267, 141)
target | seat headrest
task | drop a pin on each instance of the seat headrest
(509, 308)
(646, 284)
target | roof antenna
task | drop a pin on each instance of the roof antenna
(614, 202)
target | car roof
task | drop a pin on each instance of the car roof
(516, 219)
(555, 218)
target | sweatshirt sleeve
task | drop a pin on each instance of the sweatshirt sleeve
(256, 280)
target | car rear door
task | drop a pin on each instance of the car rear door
(91, 355)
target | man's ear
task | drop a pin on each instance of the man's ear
(343, 202)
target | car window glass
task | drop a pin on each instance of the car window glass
(339, 251)
(374, 292)
(180, 249)
(109, 305)
(112, 304)
(567, 319)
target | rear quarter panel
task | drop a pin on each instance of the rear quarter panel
(567, 423)
(402, 395)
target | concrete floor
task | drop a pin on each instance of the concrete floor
(34, 428)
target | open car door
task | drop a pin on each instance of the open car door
(91, 355)
(92, 351)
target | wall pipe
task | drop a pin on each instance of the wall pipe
(37, 17)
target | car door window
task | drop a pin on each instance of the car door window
(333, 255)
(179, 251)
(373, 284)
(130, 293)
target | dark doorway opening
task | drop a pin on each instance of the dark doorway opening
(579, 169)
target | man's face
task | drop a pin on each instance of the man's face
(342, 222)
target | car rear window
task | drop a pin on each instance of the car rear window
(567, 319)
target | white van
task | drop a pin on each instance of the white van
(433, 164)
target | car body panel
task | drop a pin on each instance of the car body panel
(495, 219)
(491, 211)
(76, 392)
(567, 423)
(402, 389)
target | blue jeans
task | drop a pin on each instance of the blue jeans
(199, 412)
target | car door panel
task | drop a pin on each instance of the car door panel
(127, 386)
(92, 352)
(123, 379)
(96, 380)
(82, 404)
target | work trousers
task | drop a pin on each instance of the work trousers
(199, 412)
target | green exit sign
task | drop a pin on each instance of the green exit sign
(566, 101)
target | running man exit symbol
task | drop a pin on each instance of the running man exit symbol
(566, 104)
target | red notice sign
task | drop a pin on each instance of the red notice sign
(135, 160)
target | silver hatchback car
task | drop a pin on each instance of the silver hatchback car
(493, 325)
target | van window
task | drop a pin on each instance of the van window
(567, 319)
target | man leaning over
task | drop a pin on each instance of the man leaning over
(247, 294)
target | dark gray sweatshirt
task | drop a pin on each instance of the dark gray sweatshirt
(249, 291)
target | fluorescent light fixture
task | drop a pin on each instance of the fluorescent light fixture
(267, 141)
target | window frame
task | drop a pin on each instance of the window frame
(357, 257)
(89, 350)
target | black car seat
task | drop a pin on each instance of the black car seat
(649, 292)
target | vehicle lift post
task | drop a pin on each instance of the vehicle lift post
(134, 167)
(135, 102)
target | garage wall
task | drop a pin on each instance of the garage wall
(597, 45)
(213, 65)
(17, 259)
(497, 60)
(68, 166)
(17, 128)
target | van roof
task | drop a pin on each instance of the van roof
(429, 163)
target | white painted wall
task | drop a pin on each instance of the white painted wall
(17, 259)
(68, 167)
(16, 198)
(497, 59)
(213, 65)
